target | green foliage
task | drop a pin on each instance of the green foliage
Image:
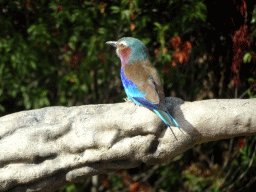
(71, 188)
(200, 179)
(54, 53)
(172, 176)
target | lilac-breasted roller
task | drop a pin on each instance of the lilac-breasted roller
(140, 79)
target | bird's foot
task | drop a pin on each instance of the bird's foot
(127, 100)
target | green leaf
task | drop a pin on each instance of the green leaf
(158, 25)
(102, 30)
(84, 88)
(251, 80)
(247, 58)
(115, 9)
(71, 188)
(2, 109)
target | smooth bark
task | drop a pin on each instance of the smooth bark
(45, 149)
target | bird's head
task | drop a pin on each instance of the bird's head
(130, 50)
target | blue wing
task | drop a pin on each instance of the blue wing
(138, 97)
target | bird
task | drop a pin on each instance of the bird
(140, 79)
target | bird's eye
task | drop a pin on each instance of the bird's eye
(122, 44)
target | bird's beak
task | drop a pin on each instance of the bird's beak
(113, 43)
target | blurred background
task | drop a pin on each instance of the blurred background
(53, 53)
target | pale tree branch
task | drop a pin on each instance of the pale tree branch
(45, 149)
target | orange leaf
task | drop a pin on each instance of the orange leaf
(134, 186)
(187, 46)
(175, 41)
(174, 64)
(156, 51)
(132, 26)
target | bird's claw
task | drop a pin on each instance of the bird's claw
(127, 100)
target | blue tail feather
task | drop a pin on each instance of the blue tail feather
(167, 118)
